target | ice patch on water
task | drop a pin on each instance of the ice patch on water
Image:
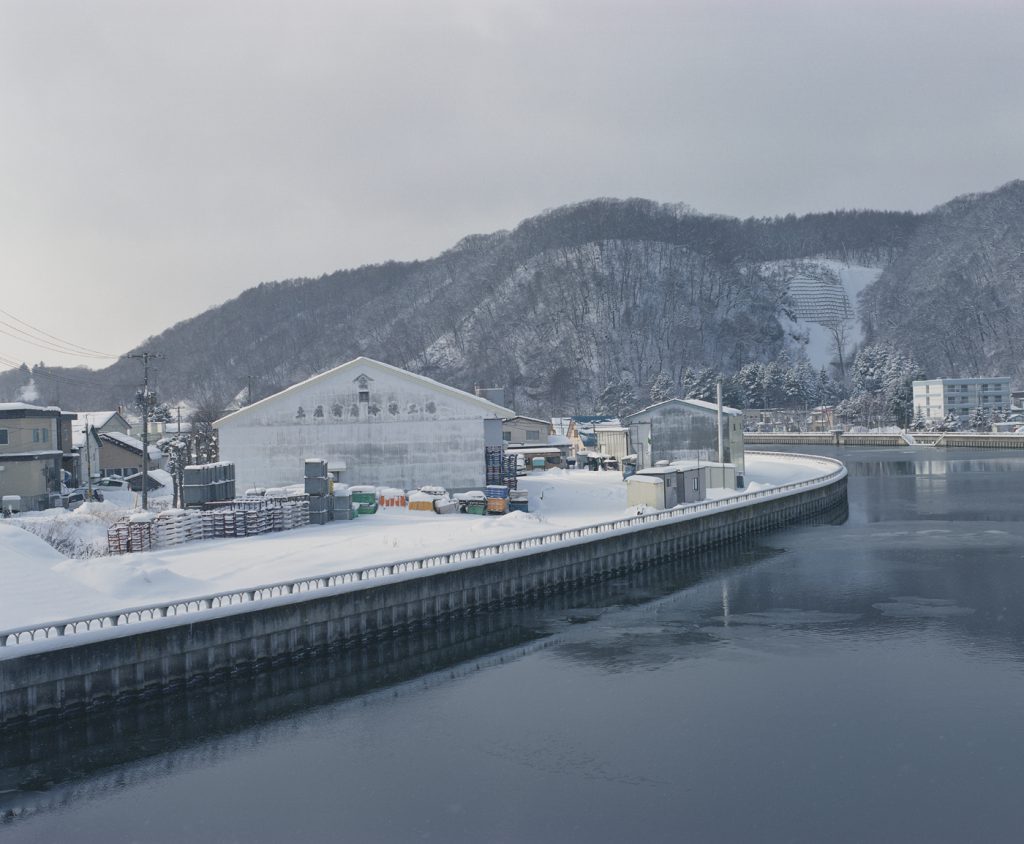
(786, 616)
(917, 607)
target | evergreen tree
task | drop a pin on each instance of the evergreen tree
(662, 388)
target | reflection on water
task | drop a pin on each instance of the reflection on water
(855, 680)
(34, 760)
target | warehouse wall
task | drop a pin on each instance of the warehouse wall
(406, 435)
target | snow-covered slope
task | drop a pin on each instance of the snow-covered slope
(823, 296)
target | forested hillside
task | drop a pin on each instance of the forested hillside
(955, 297)
(568, 302)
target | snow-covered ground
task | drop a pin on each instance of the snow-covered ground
(41, 584)
(818, 340)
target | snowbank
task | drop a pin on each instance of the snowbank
(559, 499)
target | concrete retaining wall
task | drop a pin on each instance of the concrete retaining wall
(69, 679)
(949, 440)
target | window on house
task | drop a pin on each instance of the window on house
(3, 436)
(364, 396)
(533, 435)
(696, 485)
(35, 435)
(46, 434)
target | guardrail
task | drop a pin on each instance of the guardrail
(202, 603)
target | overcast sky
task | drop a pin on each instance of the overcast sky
(157, 158)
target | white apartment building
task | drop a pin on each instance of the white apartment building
(938, 397)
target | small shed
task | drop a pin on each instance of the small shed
(645, 491)
(716, 475)
(669, 477)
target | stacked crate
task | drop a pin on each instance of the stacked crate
(497, 499)
(519, 499)
(140, 531)
(118, 539)
(511, 473)
(206, 482)
(343, 508)
(173, 527)
(494, 464)
(318, 488)
(294, 513)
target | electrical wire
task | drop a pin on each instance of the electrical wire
(42, 344)
(45, 334)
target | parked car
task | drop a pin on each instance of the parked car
(77, 497)
(112, 481)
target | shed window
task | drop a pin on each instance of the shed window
(3, 436)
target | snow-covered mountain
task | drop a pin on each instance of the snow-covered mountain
(554, 310)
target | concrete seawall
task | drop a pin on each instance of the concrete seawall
(76, 677)
(940, 440)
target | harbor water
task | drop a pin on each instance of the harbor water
(856, 679)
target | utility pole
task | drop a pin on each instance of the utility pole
(88, 461)
(721, 445)
(250, 391)
(145, 358)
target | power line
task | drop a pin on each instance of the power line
(43, 344)
(62, 342)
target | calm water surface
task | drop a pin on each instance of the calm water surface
(855, 681)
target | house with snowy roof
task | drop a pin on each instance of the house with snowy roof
(121, 455)
(685, 429)
(86, 427)
(31, 453)
(104, 421)
(372, 422)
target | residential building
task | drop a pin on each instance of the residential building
(936, 398)
(372, 422)
(686, 429)
(121, 455)
(90, 456)
(104, 421)
(31, 453)
(522, 430)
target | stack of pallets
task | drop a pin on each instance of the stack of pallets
(318, 488)
(497, 499)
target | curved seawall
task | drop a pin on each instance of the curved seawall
(63, 676)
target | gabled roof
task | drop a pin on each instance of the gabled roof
(130, 443)
(95, 418)
(693, 404)
(544, 422)
(369, 363)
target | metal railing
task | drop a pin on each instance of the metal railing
(217, 600)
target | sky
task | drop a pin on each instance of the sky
(158, 158)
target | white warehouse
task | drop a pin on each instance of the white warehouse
(377, 423)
